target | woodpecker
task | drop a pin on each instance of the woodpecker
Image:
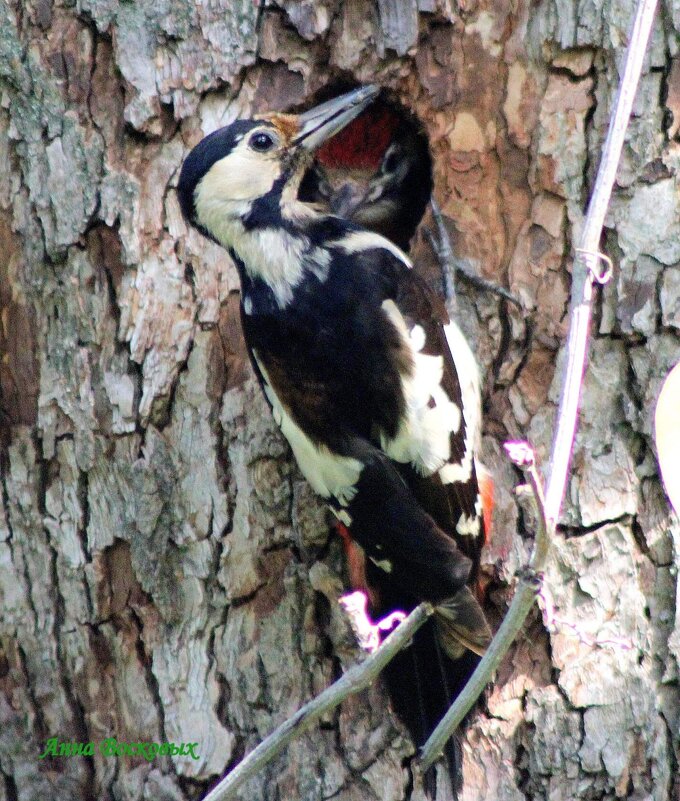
(377, 172)
(350, 347)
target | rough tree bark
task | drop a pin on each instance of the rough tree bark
(166, 574)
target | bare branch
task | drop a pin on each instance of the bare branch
(357, 678)
(584, 275)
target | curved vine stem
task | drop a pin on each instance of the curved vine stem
(357, 678)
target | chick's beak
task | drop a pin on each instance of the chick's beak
(325, 120)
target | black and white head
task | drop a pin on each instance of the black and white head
(241, 175)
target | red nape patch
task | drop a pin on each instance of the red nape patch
(362, 144)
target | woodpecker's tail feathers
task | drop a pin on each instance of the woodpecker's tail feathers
(423, 683)
(461, 625)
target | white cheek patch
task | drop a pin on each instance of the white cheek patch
(240, 175)
(329, 474)
(224, 197)
(423, 437)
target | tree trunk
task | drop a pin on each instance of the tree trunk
(166, 574)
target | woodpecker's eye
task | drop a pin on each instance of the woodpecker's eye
(262, 142)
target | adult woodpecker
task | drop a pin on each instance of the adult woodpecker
(350, 347)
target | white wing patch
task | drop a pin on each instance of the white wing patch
(384, 564)
(368, 240)
(469, 380)
(423, 438)
(328, 473)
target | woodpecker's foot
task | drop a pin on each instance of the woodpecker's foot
(461, 624)
(451, 266)
(369, 634)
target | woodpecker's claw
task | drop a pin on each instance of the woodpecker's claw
(462, 624)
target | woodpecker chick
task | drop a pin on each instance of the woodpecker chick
(376, 172)
(350, 347)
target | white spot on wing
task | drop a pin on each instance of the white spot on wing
(457, 472)
(469, 525)
(319, 262)
(417, 337)
(469, 380)
(384, 564)
(241, 175)
(247, 305)
(328, 473)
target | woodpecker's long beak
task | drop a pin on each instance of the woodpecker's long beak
(325, 120)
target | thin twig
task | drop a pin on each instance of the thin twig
(529, 584)
(441, 244)
(484, 285)
(453, 266)
(357, 678)
(584, 275)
